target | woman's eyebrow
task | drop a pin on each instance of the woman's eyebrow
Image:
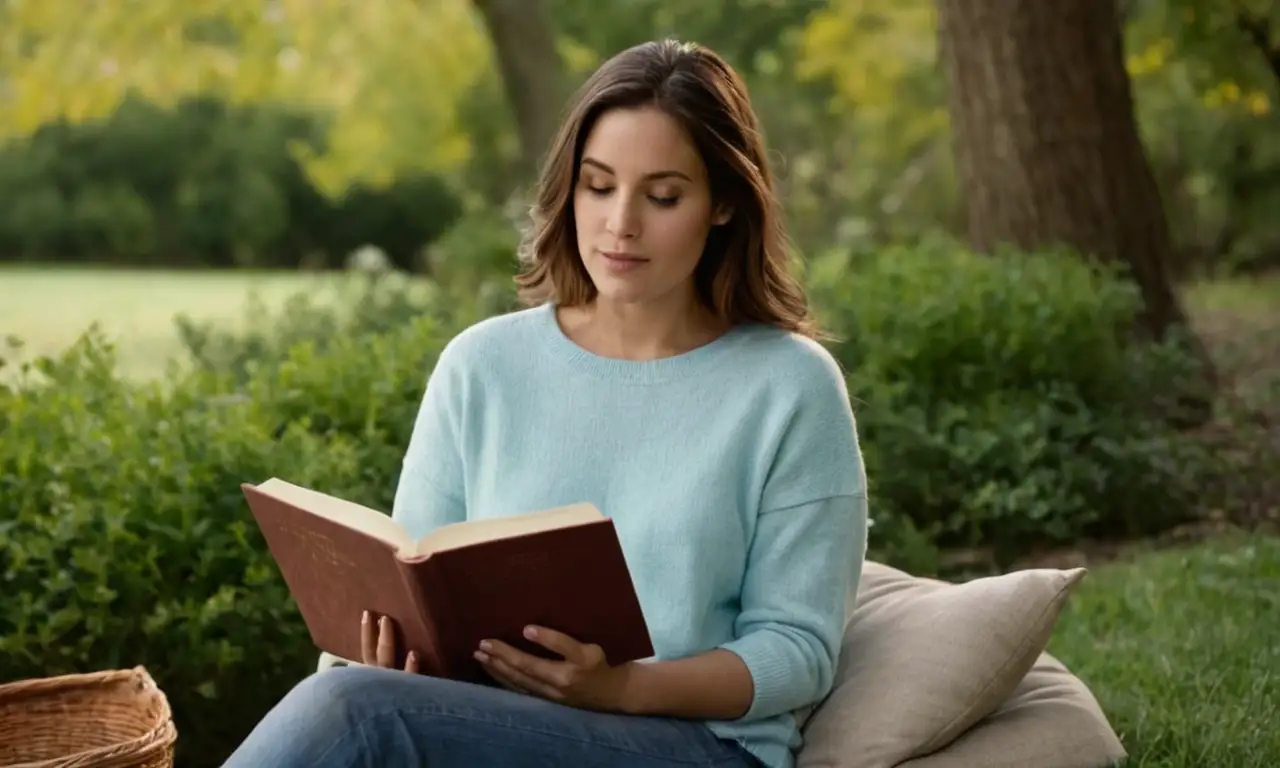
(648, 176)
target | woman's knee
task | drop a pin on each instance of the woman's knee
(317, 723)
(344, 687)
(333, 697)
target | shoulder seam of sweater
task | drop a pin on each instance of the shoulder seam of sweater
(814, 500)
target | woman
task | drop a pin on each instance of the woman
(666, 372)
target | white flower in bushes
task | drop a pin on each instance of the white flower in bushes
(368, 258)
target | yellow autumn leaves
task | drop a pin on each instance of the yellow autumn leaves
(1151, 59)
(393, 72)
(396, 73)
(870, 47)
(1228, 94)
(1155, 57)
(881, 57)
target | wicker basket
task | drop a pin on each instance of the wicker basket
(112, 719)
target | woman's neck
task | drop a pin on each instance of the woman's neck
(639, 331)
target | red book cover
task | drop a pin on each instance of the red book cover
(561, 568)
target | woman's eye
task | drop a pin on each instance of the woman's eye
(662, 202)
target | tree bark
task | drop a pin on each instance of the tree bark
(1047, 146)
(533, 74)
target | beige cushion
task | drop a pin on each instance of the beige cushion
(1051, 721)
(923, 660)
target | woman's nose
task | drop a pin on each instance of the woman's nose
(622, 222)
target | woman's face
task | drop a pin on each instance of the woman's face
(642, 207)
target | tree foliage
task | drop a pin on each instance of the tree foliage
(203, 183)
(393, 74)
(1234, 44)
(849, 91)
(1207, 85)
(880, 59)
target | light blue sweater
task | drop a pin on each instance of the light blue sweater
(732, 474)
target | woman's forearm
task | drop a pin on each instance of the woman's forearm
(711, 686)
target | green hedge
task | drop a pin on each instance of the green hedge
(125, 535)
(1002, 401)
(202, 183)
(998, 403)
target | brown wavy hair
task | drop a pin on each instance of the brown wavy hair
(743, 274)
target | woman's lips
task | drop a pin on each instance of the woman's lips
(623, 262)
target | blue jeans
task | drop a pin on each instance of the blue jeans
(368, 716)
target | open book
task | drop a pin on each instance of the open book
(561, 568)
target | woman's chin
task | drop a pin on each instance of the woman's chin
(636, 287)
(625, 290)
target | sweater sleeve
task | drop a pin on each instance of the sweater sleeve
(806, 551)
(431, 491)
(804, 562)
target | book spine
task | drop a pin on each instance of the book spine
(418, 577)
(448, 623)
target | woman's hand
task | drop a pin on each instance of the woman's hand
(583, 679)
(378, 644)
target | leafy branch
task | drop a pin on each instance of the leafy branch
(1258, 30)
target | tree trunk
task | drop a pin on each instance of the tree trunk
(532, 73)
(1046, 142)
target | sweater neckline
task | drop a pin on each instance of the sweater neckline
(632, 371)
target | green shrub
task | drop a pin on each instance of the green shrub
(203, 182)
(367, 306)
(475, 261)
(126, 538)
(471, 278)
(1001, 401)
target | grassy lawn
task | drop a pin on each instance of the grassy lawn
(50, 308)
(1240, 322)
(1182, 649)
(1255, 298)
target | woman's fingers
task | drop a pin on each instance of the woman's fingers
(386, 643)
(368, 640)
(377, 641)
(378, 644)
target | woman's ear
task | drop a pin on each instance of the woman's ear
(723, 213)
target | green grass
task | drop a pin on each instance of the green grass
(50, 308)
(1252, 297)
(1182, 649)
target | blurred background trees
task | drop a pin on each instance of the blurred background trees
(1141, 131)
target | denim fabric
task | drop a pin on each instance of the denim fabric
(366, 716)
